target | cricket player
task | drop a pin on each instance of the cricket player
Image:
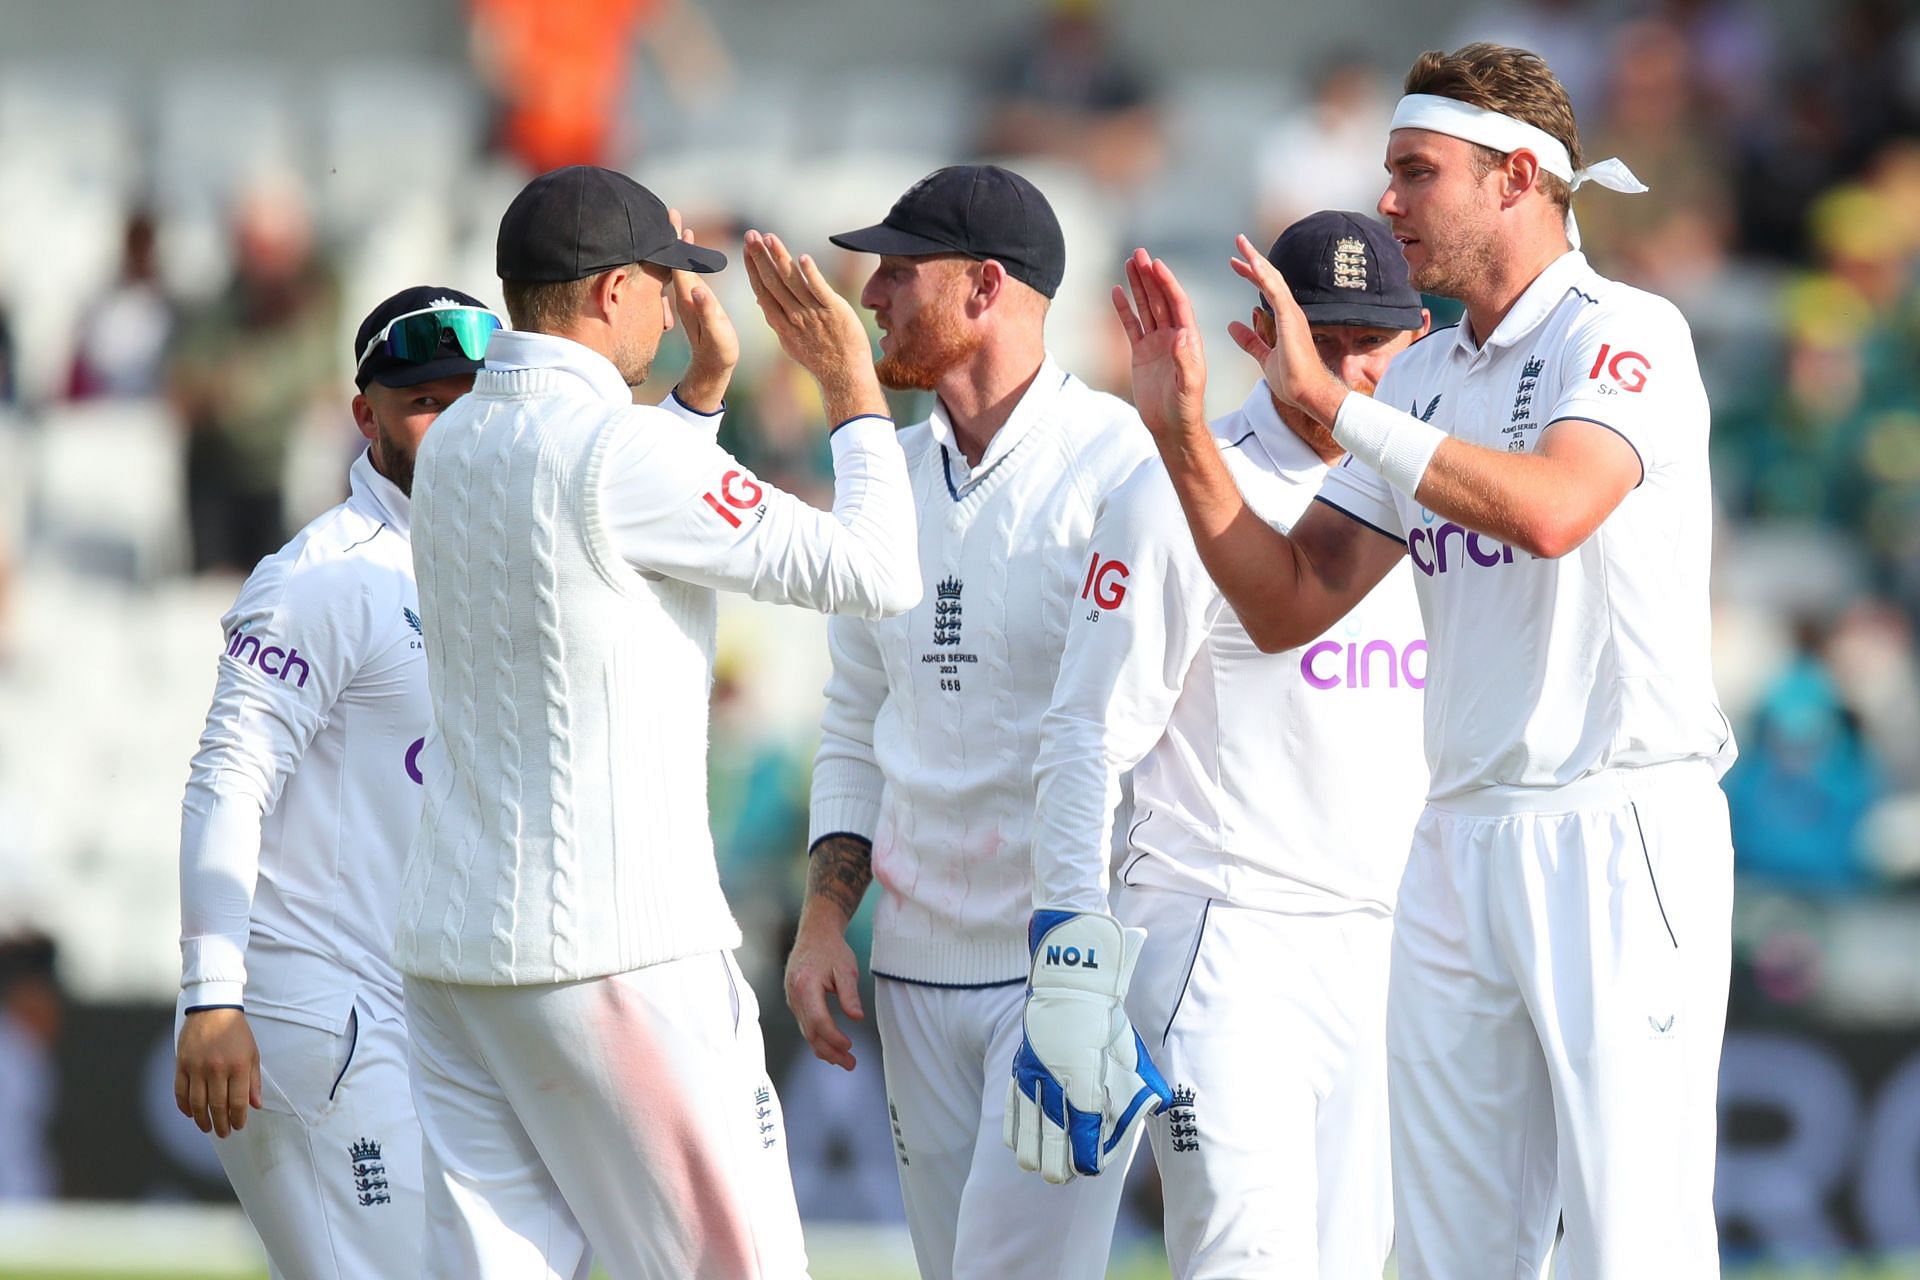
(1561, 950)
(302, 800)
(1274, 796)
(924, 777)
(587, 1056)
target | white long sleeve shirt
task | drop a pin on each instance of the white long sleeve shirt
(305, 791)
(933, 718)
(1545, 671)
(1286, 782)
(568, 546)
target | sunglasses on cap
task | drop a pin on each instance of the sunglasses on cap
(420, 336)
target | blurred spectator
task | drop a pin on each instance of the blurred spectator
(1783, 163)
(121, 346)
(1674, 243)
(1067, 92)
(558, 73)
(1866, 70)
(1790, 449)
(1329, 155)
(1732, 47)
(1804, 781)
(30, 1017)
(243, 372)
(9, 366)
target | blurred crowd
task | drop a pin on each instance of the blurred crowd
(1784, 219)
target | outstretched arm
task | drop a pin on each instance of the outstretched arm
(1546, 502)
(1286, 589)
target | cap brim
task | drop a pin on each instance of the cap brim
(681, 256)
(412, 375)
(1369, 315)
(881, 238)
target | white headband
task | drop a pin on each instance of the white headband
(1505, 134)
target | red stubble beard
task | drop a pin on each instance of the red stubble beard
(931, 345)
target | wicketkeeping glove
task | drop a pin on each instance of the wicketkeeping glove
(1082, 1076)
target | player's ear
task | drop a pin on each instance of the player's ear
(1426, 325)
(363, 416)
(989, 284)
(1520, 174)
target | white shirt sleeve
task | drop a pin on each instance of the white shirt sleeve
(293, 641)
(846, 776)
(1356, 490)
(1629, 366)
(1145, 607)
(707, 423)
(678, 504)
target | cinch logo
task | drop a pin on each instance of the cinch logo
(1071, 957)
(413, 761)
(1366, 664)
(1430, 548)
(275, 661)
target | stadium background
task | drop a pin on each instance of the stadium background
(199, 198)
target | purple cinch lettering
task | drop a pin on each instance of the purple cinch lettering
(1440, 544)
(1366, 664)
(1313, 678)
(413, 761)
(239, 649)
(271, 649)
(286, 668)
(1417, 539)
(1486, 558)
(1406, 665)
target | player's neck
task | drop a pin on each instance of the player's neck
(1510, 275)
(981, 393)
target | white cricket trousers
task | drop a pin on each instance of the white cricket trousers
(1272, 1030)
(1558, 997)
(973, 1212)
(628, 1117)
(328, 1170)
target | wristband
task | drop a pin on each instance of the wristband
(1396, 445)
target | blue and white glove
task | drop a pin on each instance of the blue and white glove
(1082, 1076)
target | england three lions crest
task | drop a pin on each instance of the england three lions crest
(1350, 263)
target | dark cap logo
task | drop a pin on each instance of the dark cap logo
(1350, 263)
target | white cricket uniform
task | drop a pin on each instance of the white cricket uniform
(1562, 947)
(927, 749)
(587, 1059)
(302, 800)
(1274, 796)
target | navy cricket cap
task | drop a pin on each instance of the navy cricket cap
(571, 223)
(1346, 268)
(444, 359)
(979, 210)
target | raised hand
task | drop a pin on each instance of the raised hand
(714, 346)
(818, 329)
(1169, 365)
(1291, 365)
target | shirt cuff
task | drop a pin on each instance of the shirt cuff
(1397, 445)
(709, 422)
(217, 993)
(864, 430)
(846, 799)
